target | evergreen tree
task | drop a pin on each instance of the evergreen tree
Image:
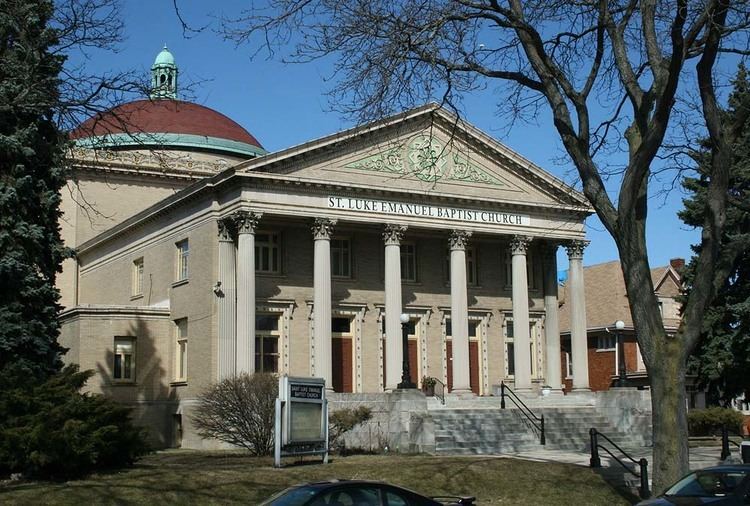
(31, 177)
(722, 358)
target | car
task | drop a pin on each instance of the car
(727, 485)
(358, 493)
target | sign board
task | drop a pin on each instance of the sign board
(301, 418)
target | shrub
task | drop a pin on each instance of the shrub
(239, 410)
(706, 422)
(51, 430)
(343, 420)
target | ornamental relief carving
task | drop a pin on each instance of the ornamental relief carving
(427, 159)
(246, 221)
(519, 244)
(459, 239)
(226, 228)
(392, 234)
(322, 228)
(575, 249)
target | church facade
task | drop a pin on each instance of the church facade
(224, 259)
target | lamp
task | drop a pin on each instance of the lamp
(621, 372)
(405, 376)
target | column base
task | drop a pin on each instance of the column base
(580, 389)
(554, 392)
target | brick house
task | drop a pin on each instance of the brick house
(607, 302)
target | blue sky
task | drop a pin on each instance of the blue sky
(285, 104)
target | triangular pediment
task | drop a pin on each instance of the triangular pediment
(429, 152)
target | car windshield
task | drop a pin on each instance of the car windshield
(292, 497)
(710, 483)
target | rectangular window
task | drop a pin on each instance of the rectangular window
(267, 343)
(341, 258)
(471, 266)
(606, 342)
(408, 262)
(181, 342)
(183, 255)
(124, 366)
(137, 278)
(341, 325)
(534, 348)
(267, 253)
(472, 328)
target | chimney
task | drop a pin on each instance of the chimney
(677, 263)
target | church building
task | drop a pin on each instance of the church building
(201, 255)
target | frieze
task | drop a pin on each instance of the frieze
(425, 158)
(152, 160)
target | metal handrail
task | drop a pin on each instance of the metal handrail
(440, 395)
(595, 461)
(525, 410)
(725, 453)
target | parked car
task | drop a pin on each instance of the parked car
(727, 485)
(358, 493)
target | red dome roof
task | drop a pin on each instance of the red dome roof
(164, 116)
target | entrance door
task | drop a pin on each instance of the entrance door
(342, 356)
(473, 357)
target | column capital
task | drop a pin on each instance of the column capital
(246, 221)
(322, 228)
(575, 248)
(519, 244)
(226, 229)
(458, 239)
(392, 234)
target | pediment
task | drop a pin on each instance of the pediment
(426, 154)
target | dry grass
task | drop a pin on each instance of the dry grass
(188, 477)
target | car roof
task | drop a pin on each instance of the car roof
(727, 467)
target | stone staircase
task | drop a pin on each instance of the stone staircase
(470, 431)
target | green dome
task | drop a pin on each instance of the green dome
(164, 57)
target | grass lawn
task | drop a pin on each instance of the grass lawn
(191, 477)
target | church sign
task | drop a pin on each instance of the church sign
(301, 418)
(428, 211)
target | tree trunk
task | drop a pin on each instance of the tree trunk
(668, 405)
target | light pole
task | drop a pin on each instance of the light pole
(621, 372)
(405, 376)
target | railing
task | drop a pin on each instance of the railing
(595, 461)
(725, 453)
(536, 421)
(440, 390)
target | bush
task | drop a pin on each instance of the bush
(51, 430)
(706, 422)
(240, 411)
(343, 420)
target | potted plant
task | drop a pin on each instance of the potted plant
(428, 385)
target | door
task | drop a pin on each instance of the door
(341, 355)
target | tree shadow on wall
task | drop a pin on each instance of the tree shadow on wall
(148, 393)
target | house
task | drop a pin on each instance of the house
(606, 303)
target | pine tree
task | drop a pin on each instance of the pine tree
(722, 358)
(31, 177)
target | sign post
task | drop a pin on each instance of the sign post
(301, 425)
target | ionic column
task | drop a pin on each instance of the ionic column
(322, 230)
(459, 311)
(521, 339)
(227, 310)
(246, 222)
(392, 236)
(578, 336)
(551, 323)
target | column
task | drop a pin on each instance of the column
(245, 223)
(522, 342)
(459, 311)
(551, 325)
(322, 231)
(227, 300)
(392, 236)
(578, 335)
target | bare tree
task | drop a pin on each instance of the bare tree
(239, 410)
(610, 72)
